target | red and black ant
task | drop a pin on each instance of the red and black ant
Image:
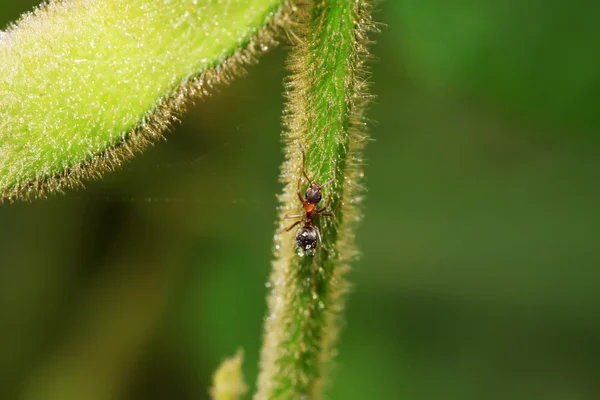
(307, 235)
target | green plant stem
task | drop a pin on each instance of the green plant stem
(327, 95)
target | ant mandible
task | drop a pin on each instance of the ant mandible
(307, 235)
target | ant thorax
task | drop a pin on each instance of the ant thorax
(309, 207)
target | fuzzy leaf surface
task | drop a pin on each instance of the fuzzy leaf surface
(84, 84)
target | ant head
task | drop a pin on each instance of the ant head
(314, 193)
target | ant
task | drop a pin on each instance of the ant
(309, 233)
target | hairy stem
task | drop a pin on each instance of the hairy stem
(327, 95)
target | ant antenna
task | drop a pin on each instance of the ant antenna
(304, 163)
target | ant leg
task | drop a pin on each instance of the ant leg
(292, 226)
(329, 182)
(298, 191)
(288, 216)
(320, 210)
(321, 240)
(304, 164)
(329, 214)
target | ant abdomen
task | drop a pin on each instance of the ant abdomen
(306, 239)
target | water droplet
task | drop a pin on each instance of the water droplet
(268, 284)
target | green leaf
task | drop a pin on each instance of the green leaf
(83, 85)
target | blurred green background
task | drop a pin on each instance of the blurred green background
(479, 276)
